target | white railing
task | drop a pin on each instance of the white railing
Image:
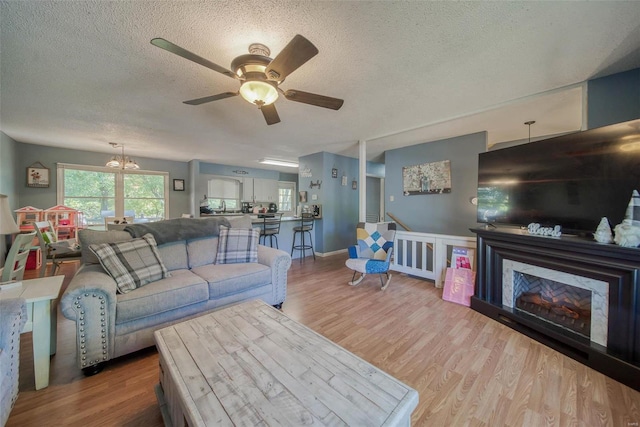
(425, 255)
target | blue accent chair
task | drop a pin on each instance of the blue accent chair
(372, 254)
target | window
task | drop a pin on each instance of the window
(101, 192)
(228, 204)
(223, 194)
(286, 201)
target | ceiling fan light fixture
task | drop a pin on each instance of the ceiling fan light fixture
(276, 162)
(259, 92)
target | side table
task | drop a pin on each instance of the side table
(40, 295)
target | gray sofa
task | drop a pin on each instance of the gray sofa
(13, 316)
(110, 324)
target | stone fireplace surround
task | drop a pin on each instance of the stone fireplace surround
(611, 272)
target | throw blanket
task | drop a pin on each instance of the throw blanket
(173, 230)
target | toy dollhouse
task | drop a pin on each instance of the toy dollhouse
(66, 221)
(26, 217)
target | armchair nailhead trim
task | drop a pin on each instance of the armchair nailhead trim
(82, 324)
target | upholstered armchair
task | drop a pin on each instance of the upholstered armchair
(13, 315)
(373, 252)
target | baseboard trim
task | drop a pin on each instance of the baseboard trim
(326, 254)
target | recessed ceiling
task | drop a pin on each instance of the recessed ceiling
(81, 74)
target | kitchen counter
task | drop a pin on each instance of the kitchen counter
(254, 217)
(285, 237)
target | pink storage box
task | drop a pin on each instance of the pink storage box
(459, 285)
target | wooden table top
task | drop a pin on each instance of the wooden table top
(249, 364)
(33, 290)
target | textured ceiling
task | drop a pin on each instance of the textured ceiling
(80, 74)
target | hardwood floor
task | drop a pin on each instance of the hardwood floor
(467, 368)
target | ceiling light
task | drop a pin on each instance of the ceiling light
(529, 123)
(259, 92)
(276, 162)
(121, 162)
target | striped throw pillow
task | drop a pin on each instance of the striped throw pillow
(132, 263)
(237, 245)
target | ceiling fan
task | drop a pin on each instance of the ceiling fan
(261, 76)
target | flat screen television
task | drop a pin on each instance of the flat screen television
(572, 180)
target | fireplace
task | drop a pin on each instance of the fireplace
(578, 304)
(563, 305)
(574, 295)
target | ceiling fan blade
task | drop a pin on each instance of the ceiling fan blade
(313, 99)
(168, 46)
(297, 52)
(270, 114)
(206, 99)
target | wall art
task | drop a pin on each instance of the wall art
(427, 178)
(178, 185)
(38, 175)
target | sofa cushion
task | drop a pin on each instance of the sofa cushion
(174, 255)
(237, 245)
(228, 279)
(93, 237)
(202, 251)
(182, 289)
(133, 263)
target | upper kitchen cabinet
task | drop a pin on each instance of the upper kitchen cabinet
(260, 190)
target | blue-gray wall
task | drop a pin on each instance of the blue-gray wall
(337, 229)
(437, 213)
(613, 99)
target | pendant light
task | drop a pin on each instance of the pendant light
(529, 123)
(121, 162)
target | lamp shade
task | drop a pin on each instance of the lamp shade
(7, 223)
(259, 92)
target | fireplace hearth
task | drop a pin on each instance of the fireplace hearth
(577, 296)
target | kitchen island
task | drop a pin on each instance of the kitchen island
(285, 237)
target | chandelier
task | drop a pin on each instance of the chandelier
(121, 162)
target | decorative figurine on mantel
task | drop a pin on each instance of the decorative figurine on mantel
(603, 233)
(627, 233)
(537, 229)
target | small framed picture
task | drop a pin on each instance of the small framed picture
(354, 184)
(178, 185)
(334, 173)
(38, 176)
(344, 180)
(302, 197)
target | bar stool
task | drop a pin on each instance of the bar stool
(306, 225)
(271, 228)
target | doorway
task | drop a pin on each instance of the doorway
(375, 199)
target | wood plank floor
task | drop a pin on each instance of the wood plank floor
(468, 370)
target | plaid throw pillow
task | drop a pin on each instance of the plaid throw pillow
(132, 263)
(237, 245)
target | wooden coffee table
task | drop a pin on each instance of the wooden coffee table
(249, 364)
